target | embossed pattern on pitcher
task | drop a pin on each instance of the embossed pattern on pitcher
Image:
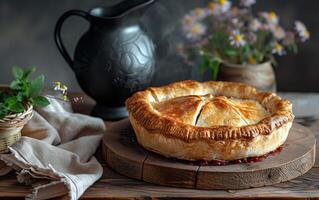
(134, 57)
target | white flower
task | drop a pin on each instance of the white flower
(247, 3)
(188, 20)
(270, 17)
(213, 8)
(194, 16)
(195, 31)
(255, 25)
(302, 31)
(237, 23)
(278, 31)
(199, 14)
(223, 5)
(58, 86)
(237, 39)
(278, 49)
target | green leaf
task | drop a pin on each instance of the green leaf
(203, 67)
(214, 67)
(17, 72)
(2, 108)
(3, 96)
(28, 71)
(36, 86)
(15, 85)
(212, 64)
(259, 56)
(40, 101)
(2, 115)
(294, 48)
(21, 97)
(13, 105)
(3, 111)
(230, 52)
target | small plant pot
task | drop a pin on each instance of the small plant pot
(260, 76)
(11, 126)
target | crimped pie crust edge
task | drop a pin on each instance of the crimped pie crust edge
(140, 107)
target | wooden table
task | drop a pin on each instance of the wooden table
(113, 185)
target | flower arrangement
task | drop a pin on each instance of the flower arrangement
(221, 32)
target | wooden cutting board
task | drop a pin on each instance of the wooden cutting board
(123, 154)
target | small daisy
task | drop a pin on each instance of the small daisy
(58, 86)
(199, 13)
(247, 3)
(188, 20)
(255, 25)
(224, 5)
(196, 31)
(237, 39)
(270, 17)
(278, 32)
(302, 31)
(64, 89)
(213, 8)
(278, 49)
(236, 23)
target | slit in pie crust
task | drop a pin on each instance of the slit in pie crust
(209, 121)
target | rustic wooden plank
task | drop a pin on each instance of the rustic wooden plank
(113, 185)
(9, 187)
(122, 154)
(164, 171)
(297, 157)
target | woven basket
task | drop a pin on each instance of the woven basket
(11, 126)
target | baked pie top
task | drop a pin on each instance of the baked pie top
(223, 111)
(183, 109)
(190, 110)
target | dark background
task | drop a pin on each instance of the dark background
(26, 38)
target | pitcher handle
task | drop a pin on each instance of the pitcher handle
(57, 32)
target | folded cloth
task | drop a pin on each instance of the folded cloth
(55, 153)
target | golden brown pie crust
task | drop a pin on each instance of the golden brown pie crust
(160, 133)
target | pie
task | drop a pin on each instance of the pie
(209, 121)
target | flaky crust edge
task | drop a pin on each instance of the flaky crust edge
(139, 106)
(212, 150)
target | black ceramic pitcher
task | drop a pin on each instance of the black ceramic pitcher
(114, 58)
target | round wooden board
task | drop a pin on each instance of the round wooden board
(124, 155)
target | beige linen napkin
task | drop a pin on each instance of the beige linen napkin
(55, 154)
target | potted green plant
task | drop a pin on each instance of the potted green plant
(237, 45)
(16, 104)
